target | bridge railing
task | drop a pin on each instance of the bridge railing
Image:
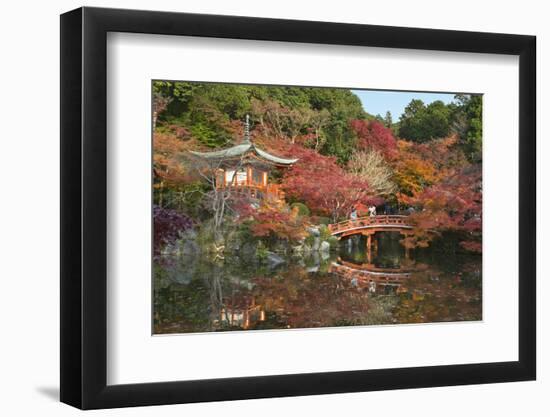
(366, 221)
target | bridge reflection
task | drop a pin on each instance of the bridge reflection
(368, 275)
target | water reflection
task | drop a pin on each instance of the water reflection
(351, 287)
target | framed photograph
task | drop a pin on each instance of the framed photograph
(257, 208)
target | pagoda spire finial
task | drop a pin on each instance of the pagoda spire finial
(247, 130)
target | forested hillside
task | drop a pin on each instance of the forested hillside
(428, 163)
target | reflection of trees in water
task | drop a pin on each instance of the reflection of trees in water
(214, 282)
(179, 307)
(199, 295)
(292, 298)
(439, 298)
(387, 251)
(285, 298)
(425, 293)
(297, 299)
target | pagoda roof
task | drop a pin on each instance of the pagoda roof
(238, 151)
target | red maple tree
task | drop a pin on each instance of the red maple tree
(454, 204)
(324, 186)
(373, 135)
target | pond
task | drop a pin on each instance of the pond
(345, 288)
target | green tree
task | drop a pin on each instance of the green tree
(468, 124)
(438, 120)
(410, 122)
(421, 123)
(388, 122)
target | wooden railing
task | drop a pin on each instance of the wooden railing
(366, 222)
(258, 191)
(373, 269)
(383, 275)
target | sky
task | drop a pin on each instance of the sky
(379, 102)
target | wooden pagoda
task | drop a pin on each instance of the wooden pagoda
(245, 168)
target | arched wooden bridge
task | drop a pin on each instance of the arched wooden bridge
(369, 225)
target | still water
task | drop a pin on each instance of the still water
(348, 288)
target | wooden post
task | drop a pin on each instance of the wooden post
(407, 250)
(369, 243)
(246, 319)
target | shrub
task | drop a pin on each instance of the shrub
(333, 242)
(324, 232)
(261, 251)
(167, 226)
(272, 221)
(310, 240)
(321, 220)
(303, 210)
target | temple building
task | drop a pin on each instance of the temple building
(245, 168)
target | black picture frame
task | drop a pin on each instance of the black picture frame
(84, 207)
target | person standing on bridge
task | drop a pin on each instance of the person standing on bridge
(353, 214)
(372, 211)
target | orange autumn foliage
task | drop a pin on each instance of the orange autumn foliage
(422, 165)
(272, 220)
(166, 165)
(454, 204)
(413, 171)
